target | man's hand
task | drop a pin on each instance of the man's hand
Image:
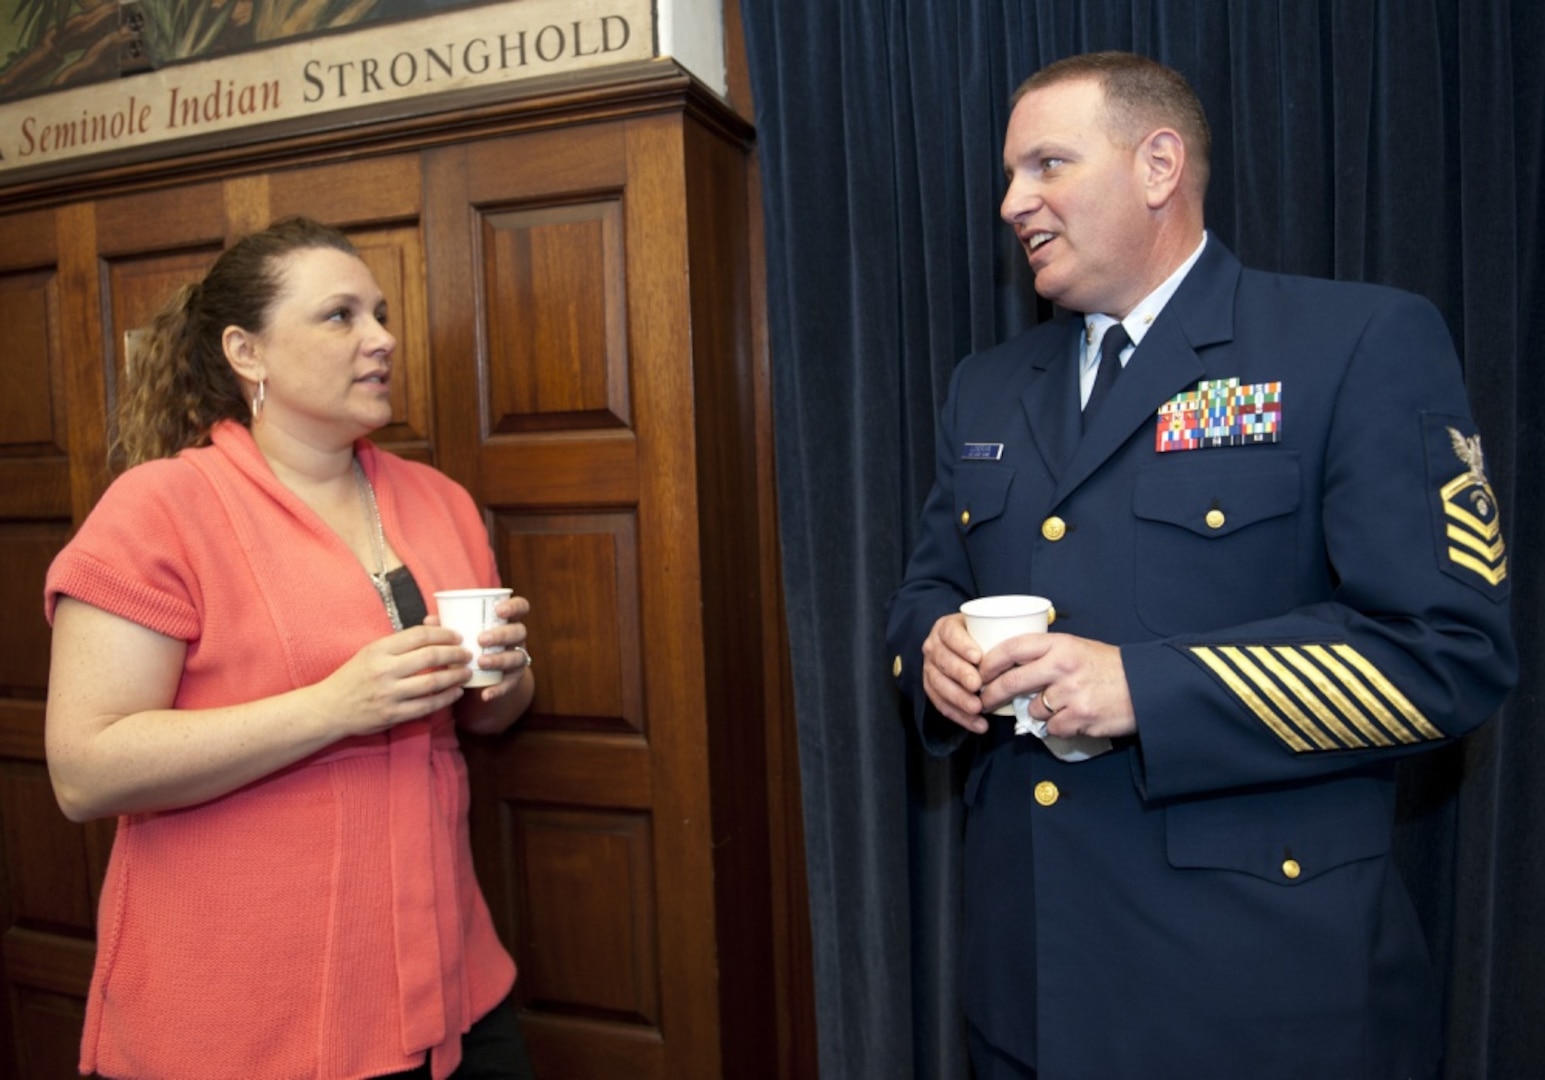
(950, 676)
(1079, 686)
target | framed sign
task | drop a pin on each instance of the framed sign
(84, 78)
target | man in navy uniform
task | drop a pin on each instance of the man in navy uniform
(1277, 568)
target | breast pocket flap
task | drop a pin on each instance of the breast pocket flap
(981, 492)
(1219, 497)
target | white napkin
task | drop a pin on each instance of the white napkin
(1077, 748)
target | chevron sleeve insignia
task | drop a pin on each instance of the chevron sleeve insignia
(1467, 527)
(1318, 696)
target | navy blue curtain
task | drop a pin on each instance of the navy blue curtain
(1397, 141)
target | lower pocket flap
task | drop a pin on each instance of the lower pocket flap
(1287, 835)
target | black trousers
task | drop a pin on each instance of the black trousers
(492, 1050)
(990, 1063)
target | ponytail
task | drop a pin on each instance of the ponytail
(173, 390)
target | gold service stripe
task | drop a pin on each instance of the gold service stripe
(1244, 693)
(1363, 693)
(1273, 692)
(1306, 697)
(1423, 726)
(1326, 686)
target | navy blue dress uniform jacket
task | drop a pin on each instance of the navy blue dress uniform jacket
(1216, 897)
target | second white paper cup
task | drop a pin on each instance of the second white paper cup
(469, 612)
(992, 620)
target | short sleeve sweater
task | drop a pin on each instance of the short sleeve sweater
(325, 921)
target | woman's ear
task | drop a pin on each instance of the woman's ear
(243, 354)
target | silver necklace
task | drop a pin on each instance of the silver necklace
(367, 495)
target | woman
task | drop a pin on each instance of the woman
(245, 673)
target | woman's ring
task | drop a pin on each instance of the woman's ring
(524, 656)
(1050, 708)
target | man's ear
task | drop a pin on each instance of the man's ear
(243, 354)
(1162, 161)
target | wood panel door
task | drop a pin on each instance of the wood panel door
(48, 867)
(571, 341)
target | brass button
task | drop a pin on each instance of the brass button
(1046, 793)
(896, 667)
(965, 518)
(1215, 519)
(1054, 528)
(1291, 869)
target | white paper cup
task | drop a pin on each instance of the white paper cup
(469, 612)
(992, 620)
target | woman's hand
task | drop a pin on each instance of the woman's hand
(491, 709)
(404, 676)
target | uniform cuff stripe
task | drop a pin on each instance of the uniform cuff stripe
(1317, 697)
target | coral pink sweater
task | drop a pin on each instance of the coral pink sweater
(323, 922)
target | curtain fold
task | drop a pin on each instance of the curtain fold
(1359, 139)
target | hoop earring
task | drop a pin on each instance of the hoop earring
(258, 398)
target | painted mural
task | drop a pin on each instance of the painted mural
(48, 45)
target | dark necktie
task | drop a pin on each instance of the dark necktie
(1116, 338)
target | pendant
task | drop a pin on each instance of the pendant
(388, 598)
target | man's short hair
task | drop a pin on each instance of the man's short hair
(1140, 95)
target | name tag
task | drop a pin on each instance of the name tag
(981, 451)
